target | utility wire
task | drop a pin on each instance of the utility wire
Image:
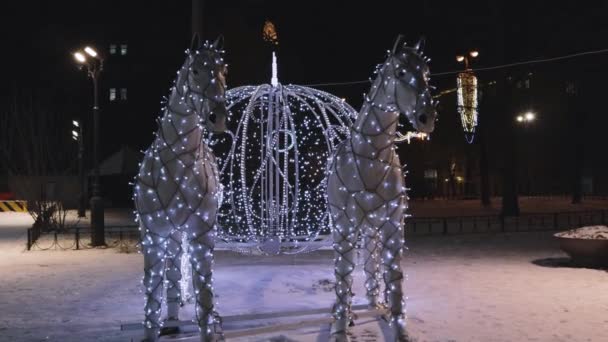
(502, 66)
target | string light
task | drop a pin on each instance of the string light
(177, 194)
(274, 165)
(368, 197)
(466, 94)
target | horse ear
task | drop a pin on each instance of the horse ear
(399, 37)
(218, 44)
(195, 43)
(420, 44)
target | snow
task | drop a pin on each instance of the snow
(589, 232)
(483, 287)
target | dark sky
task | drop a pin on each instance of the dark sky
(320, 41)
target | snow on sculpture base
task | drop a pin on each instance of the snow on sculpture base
(293, 322)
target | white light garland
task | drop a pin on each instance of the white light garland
(466, 93)
(177, 195)
(274, 166)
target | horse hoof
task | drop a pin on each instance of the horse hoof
(150, 335)
(399, 330)
(339, 337)
(169, 331)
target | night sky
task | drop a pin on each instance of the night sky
(320, 41)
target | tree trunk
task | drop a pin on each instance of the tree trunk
(510, 200)
(484, 176)
(483, 171)
(578, 160)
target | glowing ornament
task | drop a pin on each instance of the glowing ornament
(274, 170)
(466, 93)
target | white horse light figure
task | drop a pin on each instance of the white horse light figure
(366, 190)
(177, 191)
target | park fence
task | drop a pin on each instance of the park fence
(127, 237)
(495, 223)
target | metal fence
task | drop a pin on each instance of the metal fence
(460, 197)
(125, 237)
(496, 223)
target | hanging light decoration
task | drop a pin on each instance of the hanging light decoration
(466, 93)
(274, 169)
(467, 103)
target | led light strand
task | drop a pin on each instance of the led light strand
(176, 196)
(273, 165)
(366, 192)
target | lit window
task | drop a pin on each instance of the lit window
(112, 94)
(123, 94)
(123, 49)
(112, 49)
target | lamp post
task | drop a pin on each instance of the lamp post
(93, 63)
(525, 120)
(78, 137)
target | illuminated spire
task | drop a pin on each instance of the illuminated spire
(274, 81)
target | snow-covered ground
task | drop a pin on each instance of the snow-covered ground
(490, 287)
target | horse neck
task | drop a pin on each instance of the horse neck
(374, 130)
(180, 131)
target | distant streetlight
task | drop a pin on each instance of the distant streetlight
(465, 58)
(77, 136)
(94, 66)
(529, 116)
(80, 58)
(90, 51)
(526, 117)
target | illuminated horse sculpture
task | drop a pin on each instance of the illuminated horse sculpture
(177, 191)
(366, 191)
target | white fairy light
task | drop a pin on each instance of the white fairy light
(373, 203)
(173, 236)
(274, 165)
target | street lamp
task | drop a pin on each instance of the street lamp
(93, 63)
(77, 136)
(465, 58)
(526, 117)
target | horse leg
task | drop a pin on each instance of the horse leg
(392, 242)
(345, 243)
(154, 259)
(372, 265)
(173, 275)
(201, 247)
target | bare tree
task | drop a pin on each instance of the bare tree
(33, 144)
